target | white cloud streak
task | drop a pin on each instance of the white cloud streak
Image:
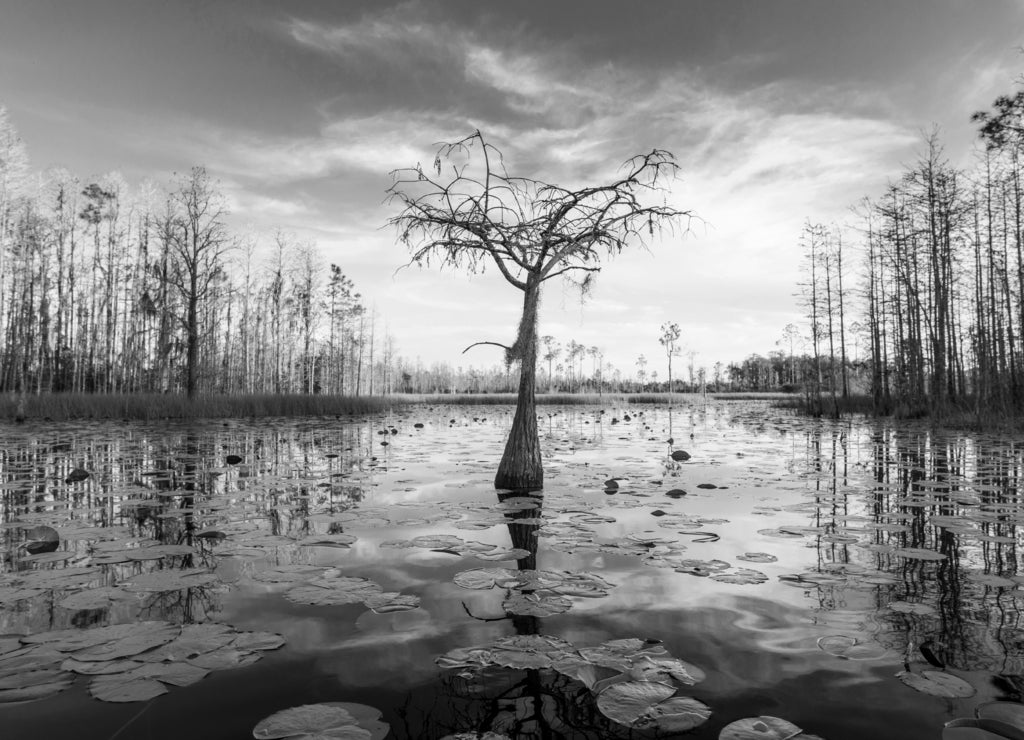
(754, 165)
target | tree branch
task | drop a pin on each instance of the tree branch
(493, 344)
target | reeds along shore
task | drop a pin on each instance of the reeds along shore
(156, 406)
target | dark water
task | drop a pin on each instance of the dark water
(877, 549)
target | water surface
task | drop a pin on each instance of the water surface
(821, 572)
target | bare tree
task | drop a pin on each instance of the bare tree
(551, 351)
(472, 214)
(198, 242)
(669, 339)
(641, 373)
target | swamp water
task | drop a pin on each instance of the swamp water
(856, 579)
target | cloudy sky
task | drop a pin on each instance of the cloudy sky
(777, 112)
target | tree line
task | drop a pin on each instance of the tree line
(931, 271)
(105, 288)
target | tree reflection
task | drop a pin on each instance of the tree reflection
(520, 703)
(932, 551)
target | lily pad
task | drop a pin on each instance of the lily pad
(145, 636)
(39, 691)
(844, 646)
(625, 703)
(937, 683)
(757, 557)
(966, 728)
(390, 601)
(328, 540)
(918, 553)
(97, 598)
(327, 721)
(1010, 712)
(481, 579)
(334, 591)
(741, 576)
(764, 727)
(678, 714)
(170, 580)
(125, 688)
(536, 604)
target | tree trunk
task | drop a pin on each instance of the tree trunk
(521, 468)
(192, 331)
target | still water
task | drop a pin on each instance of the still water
(856, 578)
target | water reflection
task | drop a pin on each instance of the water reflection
(883, 547)
(929, 551)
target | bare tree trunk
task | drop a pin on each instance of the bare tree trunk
(521, 468)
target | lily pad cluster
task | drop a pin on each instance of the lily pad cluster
(453, 545)
(127, 662)
(535, 593)
(634, 682)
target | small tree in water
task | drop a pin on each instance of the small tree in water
(469, 213)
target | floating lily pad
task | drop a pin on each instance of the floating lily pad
(26, 679)
(966, 728)
(136, 638)
(480, 579)
(38, 691)
(504, 553)
(125, 688)
(390, 601)
(328, 540)
(918, 553)
(741, 576)
(257, 641)
(937, 683)
(537, 604)
(626, 702)
(678, 714)
(342, 720)
(225, 658)
(170, 580)
(334, 591)
(757, 557)
(175, 674)
(844, 646)
(760, 728)
(289, 573)
(1010, 712)
(907, 607)
(97, 598)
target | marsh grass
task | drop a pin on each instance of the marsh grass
(494, 399)
(154, 406)
(560, 399)
(811, 406)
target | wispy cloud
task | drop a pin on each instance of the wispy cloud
(754, 163)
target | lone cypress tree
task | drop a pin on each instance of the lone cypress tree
(469, 213)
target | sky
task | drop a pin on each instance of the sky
(777, 112)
